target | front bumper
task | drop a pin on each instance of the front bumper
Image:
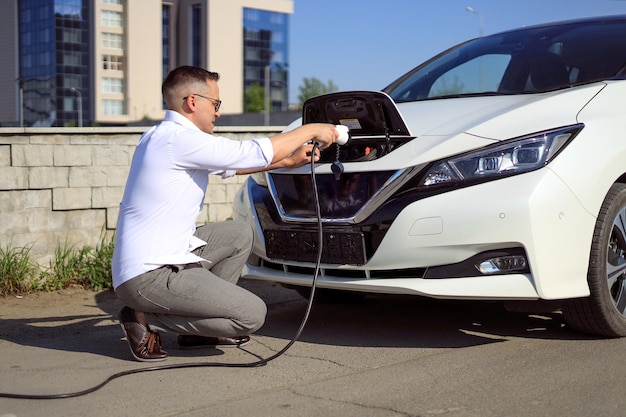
(535, 212)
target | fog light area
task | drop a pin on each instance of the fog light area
(502, 264)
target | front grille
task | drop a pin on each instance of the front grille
(338, 247)
(348, 273)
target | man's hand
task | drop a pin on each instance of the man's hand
(323, 133)
(288, 143)
(293, 149)
(300, 156)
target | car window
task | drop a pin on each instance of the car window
(478, 75)
(527, 60)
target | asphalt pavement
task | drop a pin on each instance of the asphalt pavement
(382, 356)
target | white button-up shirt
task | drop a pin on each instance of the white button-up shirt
(165, 192)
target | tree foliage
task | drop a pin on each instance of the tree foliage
(312, 87)
(254, 98)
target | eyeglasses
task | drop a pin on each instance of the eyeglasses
(217, 103)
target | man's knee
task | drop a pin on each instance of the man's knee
(244, 232)
(261, 313)
(254, 316)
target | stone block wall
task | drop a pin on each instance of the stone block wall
(62, 185)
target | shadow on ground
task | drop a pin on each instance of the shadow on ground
(374, 321)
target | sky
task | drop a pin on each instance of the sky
(366, 44)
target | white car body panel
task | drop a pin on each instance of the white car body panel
(595, 168)
(496, 117)
(495, 287)
(550, 212)
(498, 211)
(487, 219)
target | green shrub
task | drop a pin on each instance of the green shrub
(19, 273)
(65, 268)
(86, 267)
(97, 270)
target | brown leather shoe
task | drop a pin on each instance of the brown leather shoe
(144, 344)
(190, 341)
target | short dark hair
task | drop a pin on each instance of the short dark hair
(187, 74)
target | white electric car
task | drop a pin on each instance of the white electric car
(494, 171)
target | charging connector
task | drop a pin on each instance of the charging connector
(344, 134)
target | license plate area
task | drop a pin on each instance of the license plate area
(302, 246)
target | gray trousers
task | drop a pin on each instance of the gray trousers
(201, 300)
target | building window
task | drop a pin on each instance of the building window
(112, 41)
(71, 35)
(72, 81)
(111, 1)
(277, 18)
(68, 103)
(68, 9)
(251, 15)
(70, 58)
(112, 107)
(196, 35)
(113, 62)
(111, 19)
(112, 85)
(165, 42)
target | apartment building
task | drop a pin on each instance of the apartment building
(101, 62)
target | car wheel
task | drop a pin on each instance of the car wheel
(604, 311)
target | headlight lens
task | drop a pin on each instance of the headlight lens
(512, 157)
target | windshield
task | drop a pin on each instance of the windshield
(522, 61)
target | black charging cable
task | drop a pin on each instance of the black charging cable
(255, 364)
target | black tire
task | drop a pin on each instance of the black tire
(603, 313)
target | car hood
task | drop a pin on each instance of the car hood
(497, 117)
(434, 129)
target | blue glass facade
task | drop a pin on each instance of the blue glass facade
(266, 36)
(196, 35)
(166, 28)
(61, 79)
(54, 61)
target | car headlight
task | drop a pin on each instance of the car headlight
(508, 158)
